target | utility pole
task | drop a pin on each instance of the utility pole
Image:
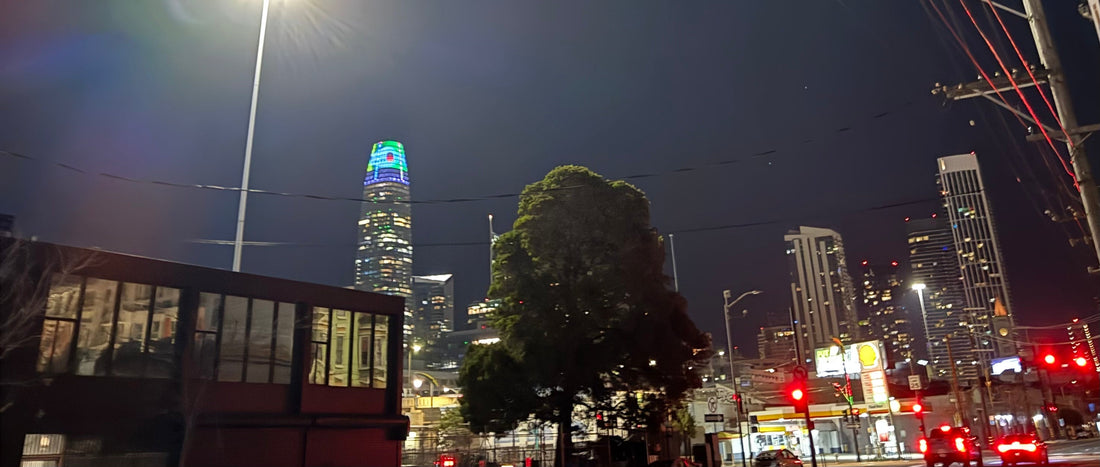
(1048, 56)
(959, 415)
(1051, 74)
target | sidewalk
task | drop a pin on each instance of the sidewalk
(842, 460)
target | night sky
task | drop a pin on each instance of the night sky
(489, 96)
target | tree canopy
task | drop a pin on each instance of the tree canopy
(586, 315)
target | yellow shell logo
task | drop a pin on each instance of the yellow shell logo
(867, 356)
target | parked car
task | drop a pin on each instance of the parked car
(1014, 449)
(681, 462)
(776, 458)
(947, 444)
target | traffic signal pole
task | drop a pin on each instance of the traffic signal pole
(810, 434)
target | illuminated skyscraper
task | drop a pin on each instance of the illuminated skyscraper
(883, 315)
(933, 262)
(980, 261)
(821, 289)
(434, 307)
(383, 261)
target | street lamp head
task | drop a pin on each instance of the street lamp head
(417, 383)
(919, 286)
(416, 347)
(726, 294)
(755, 292)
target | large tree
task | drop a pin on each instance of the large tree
(587, 317)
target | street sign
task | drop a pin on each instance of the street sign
(713, 418)
(712, 404)
(800, 373)
(914, 382)
(852, 425)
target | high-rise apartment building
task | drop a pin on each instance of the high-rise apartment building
(981, 263)
(882, 309)
(433, 307)
(478, 313)
(934, 264)
(821, 289)
(776, 342)
(383, 261)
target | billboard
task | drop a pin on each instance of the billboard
(860, 357)
(1001, 365)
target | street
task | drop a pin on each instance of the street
(1062, 453)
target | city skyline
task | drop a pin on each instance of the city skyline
(479, 130)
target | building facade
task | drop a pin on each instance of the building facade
(776, 342)
(887, 319)
(934, 264)
(434, 307)
(383, 260)
(478, 313)
(981, 263)
(134, 361)
(822, 295)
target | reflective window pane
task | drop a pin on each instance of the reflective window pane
(381, 341)
(317, 368)
(205, 350)
(64, 296)
(259, 341)
(133, 316)
(284, 343)
(95, 327)
(231, 354)
(161, 343)
(341, 333)
(360, 370)
(209, 306)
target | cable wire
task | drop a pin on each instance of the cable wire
(1020, 93)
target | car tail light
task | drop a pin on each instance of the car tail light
(1002, 447)
(960, 445)
(923, 445)
(1030, 447)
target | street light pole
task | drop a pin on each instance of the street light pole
(238, 242)
(729, 352)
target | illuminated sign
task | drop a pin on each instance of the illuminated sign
(1001, 365)
(387, 163)
(874, 387)
(861, 357)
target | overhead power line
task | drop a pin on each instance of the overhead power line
(637, 176)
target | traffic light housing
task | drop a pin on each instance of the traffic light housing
(798, 397)
(600, 423)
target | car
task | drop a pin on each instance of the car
(1014, 449)
(680, 462)
(776, 458)
(947, 444)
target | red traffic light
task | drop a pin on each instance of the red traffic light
(797, 394)
(1049, 359)
(1081, 361)
(917, 408)
(855, 412)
